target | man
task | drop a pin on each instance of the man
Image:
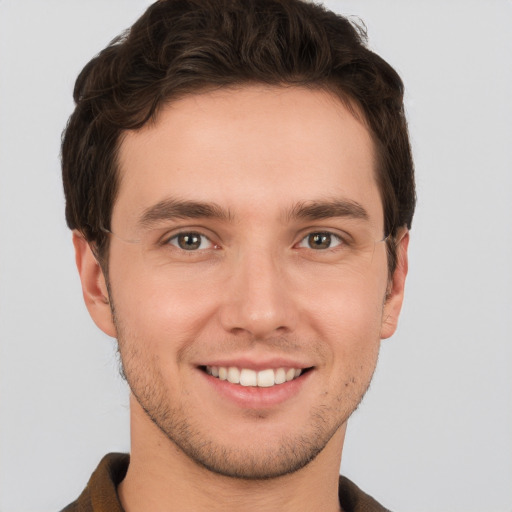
(240, 187)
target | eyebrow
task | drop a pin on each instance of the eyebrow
(172, 208)
(317, 210)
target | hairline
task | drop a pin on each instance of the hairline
(334, 90)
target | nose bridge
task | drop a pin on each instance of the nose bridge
(258, 297)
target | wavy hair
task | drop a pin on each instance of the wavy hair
(180, 47)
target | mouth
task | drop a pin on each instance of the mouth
(247, 377)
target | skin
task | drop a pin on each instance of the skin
(255, 293)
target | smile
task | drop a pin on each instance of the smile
(247, 377)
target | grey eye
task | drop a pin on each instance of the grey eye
(190, 241)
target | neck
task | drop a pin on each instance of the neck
(160, 476)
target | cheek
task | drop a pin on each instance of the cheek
(176, 306)
(352, 327)
(160, 310)
(350, 309)
(348, 319)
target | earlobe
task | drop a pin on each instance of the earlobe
(94, 286)
(395, 295)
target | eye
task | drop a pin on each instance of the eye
(191, 241)
(320, 240)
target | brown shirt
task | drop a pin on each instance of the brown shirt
(100, 495)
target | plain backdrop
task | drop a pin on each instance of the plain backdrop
(434, 434)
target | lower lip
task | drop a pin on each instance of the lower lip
(253, 397)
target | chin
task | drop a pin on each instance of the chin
(252, 453)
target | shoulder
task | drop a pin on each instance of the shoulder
(100, 494)
(353, 499)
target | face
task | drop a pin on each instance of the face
(248, 276)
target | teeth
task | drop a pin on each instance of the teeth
(246, 377)
(233, 375)
(280, 376)
(266, 379)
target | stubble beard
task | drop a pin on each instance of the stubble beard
(290, 453)
(257, 462)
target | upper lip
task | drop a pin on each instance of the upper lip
(257, 365)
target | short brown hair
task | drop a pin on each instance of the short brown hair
(179, 47)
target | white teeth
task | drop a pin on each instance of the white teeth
(266, 378)
(233, 375)
(280, 376)
(247, 377)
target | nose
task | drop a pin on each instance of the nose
(258, 297)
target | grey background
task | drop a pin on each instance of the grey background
(435, 432)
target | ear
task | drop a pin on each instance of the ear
(94, 286)
(395, 292)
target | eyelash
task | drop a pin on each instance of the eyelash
(168, 241)
(332, 236)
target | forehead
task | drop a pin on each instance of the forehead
(253, 150)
